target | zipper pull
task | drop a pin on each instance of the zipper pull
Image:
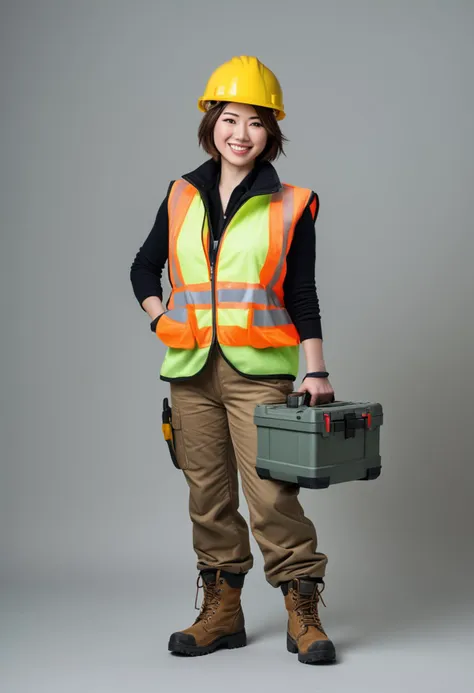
(215, 245)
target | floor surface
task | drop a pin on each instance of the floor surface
(115, 641)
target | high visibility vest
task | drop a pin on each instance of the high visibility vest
(238, 299)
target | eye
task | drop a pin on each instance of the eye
(259, 125)
(229, 120)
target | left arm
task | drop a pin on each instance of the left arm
(302, 303)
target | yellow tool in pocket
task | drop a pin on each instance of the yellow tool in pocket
(168, 431)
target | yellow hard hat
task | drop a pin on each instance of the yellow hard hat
(244, 80)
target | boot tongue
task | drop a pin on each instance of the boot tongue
(209, 576)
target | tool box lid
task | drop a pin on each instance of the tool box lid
(316, 419)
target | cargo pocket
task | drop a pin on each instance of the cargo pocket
(179, 446)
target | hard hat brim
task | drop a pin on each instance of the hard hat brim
(279, 113)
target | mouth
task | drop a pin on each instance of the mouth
(239, 149)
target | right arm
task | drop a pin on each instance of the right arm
(148, 265)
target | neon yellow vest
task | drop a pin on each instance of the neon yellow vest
(237, 302)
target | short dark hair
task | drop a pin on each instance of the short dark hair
(276, 138)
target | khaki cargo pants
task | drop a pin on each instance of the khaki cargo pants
(214, 437)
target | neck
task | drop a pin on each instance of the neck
(232, 175)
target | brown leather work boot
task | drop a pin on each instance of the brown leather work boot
(221, 620)
(305, 634)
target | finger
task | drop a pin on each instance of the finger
(324, 398)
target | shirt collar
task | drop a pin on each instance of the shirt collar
(263, 178)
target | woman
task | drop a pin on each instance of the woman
(240, 248)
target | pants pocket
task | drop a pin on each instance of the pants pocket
(283, 385)
(180, 447)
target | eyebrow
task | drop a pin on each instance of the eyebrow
(236, 115)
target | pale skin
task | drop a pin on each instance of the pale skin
(239, 128)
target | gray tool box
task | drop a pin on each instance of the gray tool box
(317, 446)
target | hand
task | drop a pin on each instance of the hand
(320, 390)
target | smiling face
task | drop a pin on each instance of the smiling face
(239, 135)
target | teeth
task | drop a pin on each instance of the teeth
(238, 149)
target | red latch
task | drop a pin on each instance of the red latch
(368, 416)
(327, 421)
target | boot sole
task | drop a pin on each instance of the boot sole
(324, 654)
(229, 641)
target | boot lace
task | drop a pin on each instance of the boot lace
(307, 608)
(211, 600)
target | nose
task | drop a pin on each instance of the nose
(241, 132)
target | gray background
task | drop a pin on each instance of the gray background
(98, 109)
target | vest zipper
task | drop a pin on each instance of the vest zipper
(212, 252)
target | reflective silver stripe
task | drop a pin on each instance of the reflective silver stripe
(270, 318)
(288, 210)
(174, 202)
(178, 314)
(244, 295)
(247, 295)
(186, 298)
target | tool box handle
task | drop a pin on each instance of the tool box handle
(349, 425)
(302, 399)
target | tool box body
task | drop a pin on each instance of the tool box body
(315, 447)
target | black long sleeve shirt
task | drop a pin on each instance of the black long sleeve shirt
(299, 288)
